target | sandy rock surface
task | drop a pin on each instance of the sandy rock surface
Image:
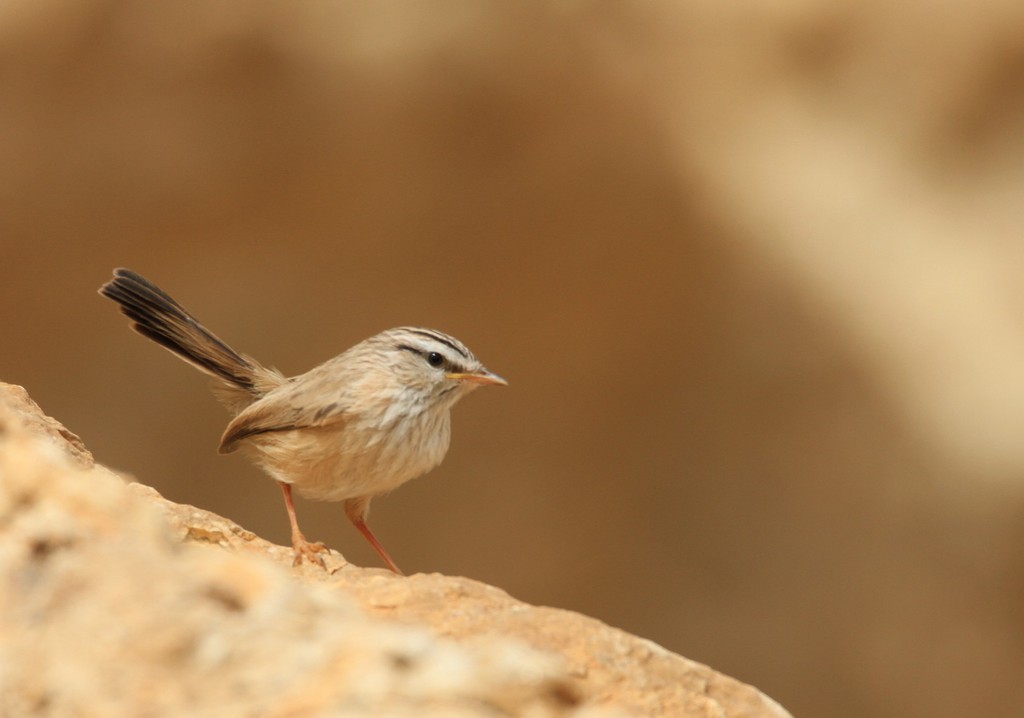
(117, 602)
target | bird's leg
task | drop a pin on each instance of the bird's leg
(356, 510)
(302, 549)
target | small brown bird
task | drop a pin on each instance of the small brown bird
(357, 426)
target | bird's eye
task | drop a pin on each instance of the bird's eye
(434, 359)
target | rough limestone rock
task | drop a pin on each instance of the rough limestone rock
(116, 602)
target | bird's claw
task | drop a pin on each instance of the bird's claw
(309, 551)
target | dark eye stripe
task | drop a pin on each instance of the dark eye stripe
(407, 348)
(451, 366)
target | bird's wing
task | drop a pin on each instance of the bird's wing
(282, 410)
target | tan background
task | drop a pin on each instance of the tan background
(754, 275)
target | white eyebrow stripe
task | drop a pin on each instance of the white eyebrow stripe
(442, 339)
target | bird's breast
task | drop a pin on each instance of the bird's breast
(356, 458)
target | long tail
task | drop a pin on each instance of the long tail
(157, 316)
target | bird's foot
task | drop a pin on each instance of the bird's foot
(304, 550)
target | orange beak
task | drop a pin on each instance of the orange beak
(482, 377)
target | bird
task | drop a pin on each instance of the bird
(353, 428)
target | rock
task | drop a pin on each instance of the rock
(117, 602)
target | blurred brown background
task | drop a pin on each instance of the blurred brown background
(754, 274)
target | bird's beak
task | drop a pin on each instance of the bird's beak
(482, 377)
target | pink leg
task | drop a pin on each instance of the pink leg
(356, 510)
(301, 548)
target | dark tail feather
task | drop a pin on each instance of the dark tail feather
(156, 315)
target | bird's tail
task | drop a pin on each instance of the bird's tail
(156, 315)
